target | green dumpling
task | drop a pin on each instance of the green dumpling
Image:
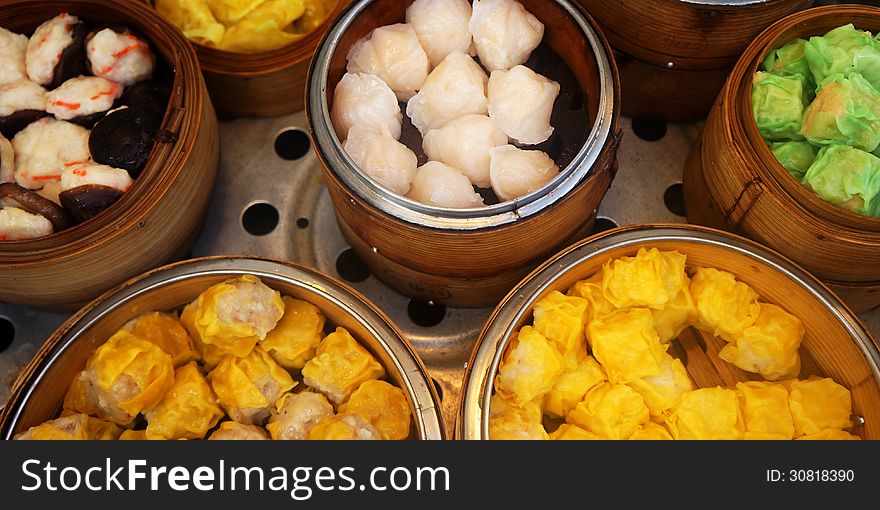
(847, 111)
(845, 51)
(796, 157)
(848, 178)
(778, 105)
(791, 60)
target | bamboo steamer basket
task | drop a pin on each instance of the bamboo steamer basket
(260, 84)
(469, 258)
(38, 391)
(674, 55)
(836, 344)
(159, 218)
(733, 181)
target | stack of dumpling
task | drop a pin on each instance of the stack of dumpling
(629, 387)
(817, 104)
(475, 127)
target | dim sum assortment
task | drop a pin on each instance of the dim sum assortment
(71, 130)
(817, 104)
(594, 363)
(239, 362)
(457, 70)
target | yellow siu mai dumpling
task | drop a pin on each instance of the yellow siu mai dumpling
(768, 347)
(297, 335)
(569, 432)
(127, 375)
(662, 391)
(651, 432)
(248, 387)
(614, 411)
(626, 345)
(194, 18)
(264, 27)
(340, 366)
(234, 431)
(819, 404)
(133, 435)
(167, 332)
(189, 409)
(831, 435)
(650, 279)
(678, 314)
(231, 317)
(592, 291)
(384, 405)
(572, 385)
(765, 410)
(706, 413)
(529, 368)
(296, 414)
(512, 421)
(76, 400)
(345, 427)
(76, 427)
(560, 319)
(726, 306)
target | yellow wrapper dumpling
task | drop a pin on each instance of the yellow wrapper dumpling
(529, 367)
(568, 432)
(77, 427)
(572, 385)
(591, 290)
(248, 387)
(626, 344)
(678, 314)
(345, 427)
(340, 365)
(765, 410)
(231, 317)
(296, 414)
(133, 435)
(511, 421)
(706, 413)
(189, 409)
(726, 306)
(194, 18)
(560, 319)
(76, 400)
(263, 28)
(384, 405)
(613, 411)
(768, 347)
(819, 404)
(662, 391)
(650, 279)
(651, 432)
(168, 333)
(234, 431)
(831, 435)
(296, 337)
(126, 376)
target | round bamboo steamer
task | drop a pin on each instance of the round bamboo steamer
(674, 55)
(458, 258)
(836, 343)
(261, 84)
(38, 391)
(733, 181)
(159, 218)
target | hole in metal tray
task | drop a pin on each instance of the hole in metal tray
(351, 268)
(425, 314)
(292, 144)
(260, 218)
(673, 197)
(7, 333)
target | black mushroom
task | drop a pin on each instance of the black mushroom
(150, 95)
(73, 57)
(12, 124)
(86, 201)
(124, 138)
(34, 203)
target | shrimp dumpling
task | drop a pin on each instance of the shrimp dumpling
(442, 27)
(365, 100)
(521, 101)
(505, 33)
(464, 144)
(387, 161)
(443, 186)
(455, 88)
(515, 172)
(392, 53)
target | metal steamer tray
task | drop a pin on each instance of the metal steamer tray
(270, 201)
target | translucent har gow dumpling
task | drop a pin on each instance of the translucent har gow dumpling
(464, 144)
(515, 172)
(521, 100)
(387, 161)
(365, 100)
(443, 186)
(394, 54)
(442, 27)
(504, 32)
(457, 87)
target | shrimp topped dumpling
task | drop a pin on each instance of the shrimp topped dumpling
(17, 224)
(365, 100)
(296, 414)
(7, 161)
(392, 53)
(455, 88)
(119, 56)
(442, 27)
(44, 149)
(82, 97)
(515, 172)
(55, 51)
(441, 185)
(13, 48)
(505, 33)
(22, 102)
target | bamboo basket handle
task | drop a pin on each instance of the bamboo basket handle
(748, 197)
